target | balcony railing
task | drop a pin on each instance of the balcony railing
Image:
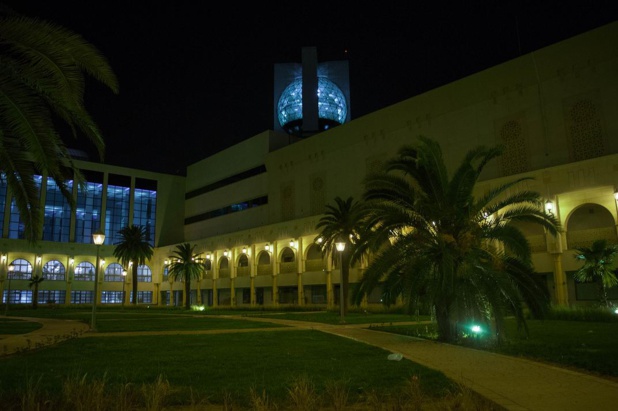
(288, 268)
(315, 265)
(585, 238)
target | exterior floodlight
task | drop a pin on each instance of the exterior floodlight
(476, 329)
(340, 247)
(98, 237)
(11, 268)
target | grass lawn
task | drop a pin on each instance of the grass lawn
(333, 317)
(587, 345)
(214, 366)
(217, 367)
(10, 325)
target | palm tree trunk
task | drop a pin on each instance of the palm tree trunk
(134, 287)
(603, 293)
(35, 296)
(345, 280)
(445, 326)
(187, 293)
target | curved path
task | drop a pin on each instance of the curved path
(51, 332)
(512, 383)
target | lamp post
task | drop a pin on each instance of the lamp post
(124, 282)
(98, 238)
(11, 268)
(340, 247)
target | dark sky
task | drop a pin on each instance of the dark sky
(197, 76)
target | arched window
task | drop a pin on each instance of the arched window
(144, 274)
(224, 269)
(243, 261)
(314, 261)
(113, 273)
(84, 271)
(22, 270)
(287, 261)
(287, 256)
(243, 266)
(264, 267)
(264, 258)
(54, 270)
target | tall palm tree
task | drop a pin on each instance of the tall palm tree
(441, 245)
(341, 222)
(42, 67)
(598, 266)
(134, 250)
(35, 280)
(187, 265)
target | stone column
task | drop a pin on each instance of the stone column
(560, 282)
(276, 267)
(252, 274)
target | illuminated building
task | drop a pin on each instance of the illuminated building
(253, 207)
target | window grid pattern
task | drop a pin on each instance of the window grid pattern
(515, 157)
(52, 296)
(585, 129)
(111, 297)
(143, 297)
(3, 196)
(117, 212)
(18, 296)
(22, 270)
(144, 212)
(88, 214)
(144, 274)
(54, 270)
(332, 103)
(113, 273)
(57, 218)
(84, 271)
(16, 225)
(81, 297)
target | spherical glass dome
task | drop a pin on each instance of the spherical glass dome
(332, 106)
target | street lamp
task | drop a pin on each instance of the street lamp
(124, 282)
(98, 237)
(340, 247)
(11, 268)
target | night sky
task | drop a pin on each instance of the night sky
(197, 76)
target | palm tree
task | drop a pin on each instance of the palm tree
(598, 266)
(35, 280)
(186, 265)
(341, 223)
(133, 250)
(439, 244)
(42, 68)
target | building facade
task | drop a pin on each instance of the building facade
(252, 208)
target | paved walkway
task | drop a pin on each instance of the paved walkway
(52, 332)
(512, 383)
